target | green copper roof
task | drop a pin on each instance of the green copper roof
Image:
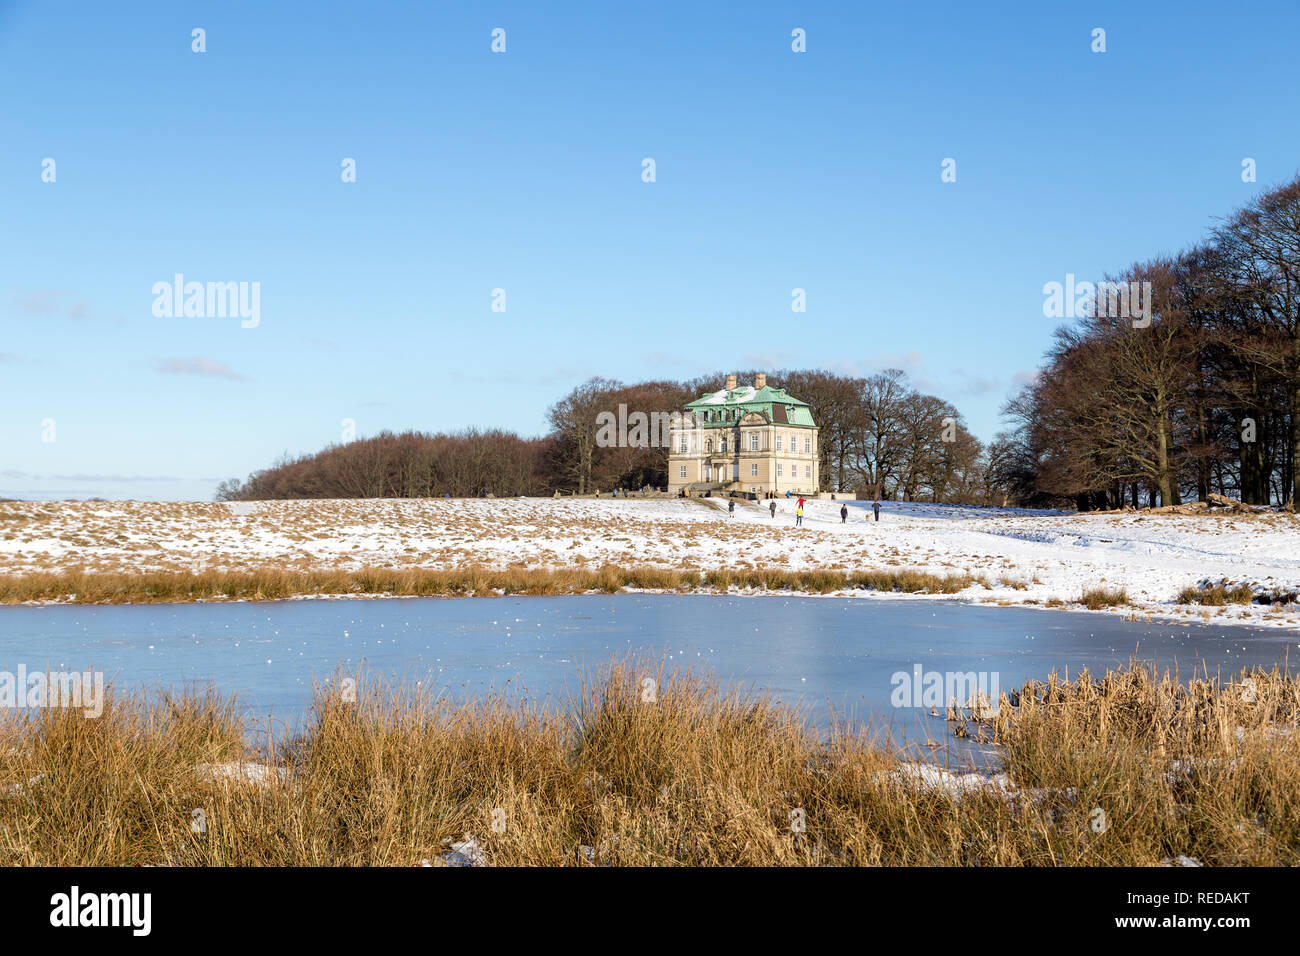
(775, 403)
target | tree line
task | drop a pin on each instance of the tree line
(877, 433)
(1200, 397)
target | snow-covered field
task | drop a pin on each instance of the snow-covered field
(1021, 556)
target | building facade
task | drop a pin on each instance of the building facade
(752, 439)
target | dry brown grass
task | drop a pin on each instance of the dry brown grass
(277, 584)
(1094, 599)
(1217, 595)
(697, 776)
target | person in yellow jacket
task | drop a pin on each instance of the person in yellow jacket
(798, 516)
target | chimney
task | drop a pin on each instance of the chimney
(760, 380)
(731, 382)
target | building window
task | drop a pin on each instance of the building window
(753, 470)
(708, 444)
(807, 471)
(753, 441)
(683, 445)
(682, 472)
(807, 445)
(778, 469)
(778, 442)
(723, 445)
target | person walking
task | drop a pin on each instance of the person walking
(731, 508)
(875, 506)
(844, 513)
(798, 516)
(773, 507)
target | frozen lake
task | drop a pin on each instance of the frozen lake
(821, 653)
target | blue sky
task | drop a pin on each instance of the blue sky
(522, 171)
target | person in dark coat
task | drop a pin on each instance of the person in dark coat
(875, 506)
(773, 507)
(844, 513)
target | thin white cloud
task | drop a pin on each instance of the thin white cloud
(978, 384)
(47, 302)
(910, 362)
(774, 359)
(660, 359)
(15, 474)
(113, 478)
(198, 365)
(560, 375)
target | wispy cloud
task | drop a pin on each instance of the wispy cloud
(13, 473)
(8, 357)
(198, 366)
(557, 376)
(1025, 376)
(911, 362)
(977, 384)
(46, 302)
(776, 359)
(115, 478)
(327, 344)
(661, 359)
